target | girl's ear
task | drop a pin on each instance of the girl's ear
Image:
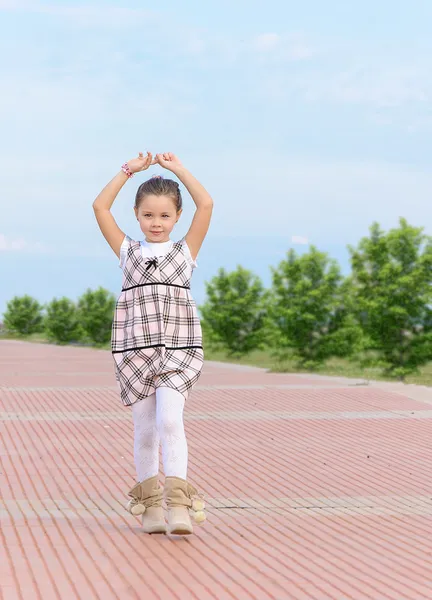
(179, 212)
(136, 211)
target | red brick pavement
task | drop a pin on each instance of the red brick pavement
(317, 488)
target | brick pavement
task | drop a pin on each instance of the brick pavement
(318, 488)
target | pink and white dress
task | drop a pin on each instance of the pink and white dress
(156, 332)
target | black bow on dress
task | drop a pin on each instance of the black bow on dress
(151, 262)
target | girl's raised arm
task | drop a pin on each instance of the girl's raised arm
(102, 205)
(203, 201)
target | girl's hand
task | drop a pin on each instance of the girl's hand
(168, 160)
(141, 163)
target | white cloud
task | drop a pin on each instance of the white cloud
(331, 200)
(193, 44)
(8, 244)
(282, 47)
(267, 41)
(93, 14)
(301, 240)
(399, 88)
(384, 86)
(61, 101)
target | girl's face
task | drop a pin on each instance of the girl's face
(157, 216)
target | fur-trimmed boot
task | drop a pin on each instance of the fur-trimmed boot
(146, 500)
(180, 497)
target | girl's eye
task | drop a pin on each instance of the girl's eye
(147, 215)
(167, 216)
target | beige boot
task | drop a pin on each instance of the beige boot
(180, 496)
(147, 501)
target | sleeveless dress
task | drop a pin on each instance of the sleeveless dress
(156, 332)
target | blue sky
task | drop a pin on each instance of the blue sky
(306, 121)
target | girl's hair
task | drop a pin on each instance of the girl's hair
(158, 186)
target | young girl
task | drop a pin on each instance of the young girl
(156, 335)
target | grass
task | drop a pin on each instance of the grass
(41, 338)
(37, 338)
(336, 367)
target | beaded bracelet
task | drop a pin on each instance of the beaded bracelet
(125, 169)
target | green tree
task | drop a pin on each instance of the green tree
(310, 318)
(345, 338)
(61, 321)
(95, 313)
(392, 296)
(234, 314)
(23, 315)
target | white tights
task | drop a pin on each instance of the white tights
(159, 419)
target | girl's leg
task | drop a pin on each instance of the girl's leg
(146, 495)
(178, 492)
(146, 438)
(169, 418)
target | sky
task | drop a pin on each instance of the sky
(306, 121)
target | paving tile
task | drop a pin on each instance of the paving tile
(317, 488)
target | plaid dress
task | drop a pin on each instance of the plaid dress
(156, 333)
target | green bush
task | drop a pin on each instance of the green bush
(61, 321)
(234, 315)
(310, 321)
(95, 314)
(392, 296)
(23, 315)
